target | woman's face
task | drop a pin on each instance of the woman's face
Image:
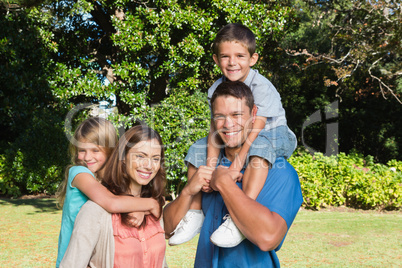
(143, 162)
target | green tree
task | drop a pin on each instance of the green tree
(150, 47)
(346, 51)
(32, 142)
(139, 52)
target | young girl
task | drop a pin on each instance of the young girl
(92, 144)
(100, 239)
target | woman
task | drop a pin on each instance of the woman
(101, 239)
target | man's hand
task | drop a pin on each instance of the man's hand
(224, 173)
(200, 181)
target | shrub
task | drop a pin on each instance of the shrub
(351, 180)
(181, 119)
(35, 162)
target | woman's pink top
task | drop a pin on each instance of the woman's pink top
(138, 247)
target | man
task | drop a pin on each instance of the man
(264, 221)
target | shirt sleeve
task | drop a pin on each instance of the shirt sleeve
(75, 170)
(266, 98)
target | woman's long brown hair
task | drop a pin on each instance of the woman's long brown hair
(115, 177)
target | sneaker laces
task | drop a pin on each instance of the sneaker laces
(182, 223)
(227, 219)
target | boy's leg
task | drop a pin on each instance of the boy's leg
(261, 154)
(254, 178)
(192, 222)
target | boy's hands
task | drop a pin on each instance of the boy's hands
(199, 181)
(224, 173)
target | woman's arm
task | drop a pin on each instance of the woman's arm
(110, 202)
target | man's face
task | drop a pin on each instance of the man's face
(233, 120)
(234, 60)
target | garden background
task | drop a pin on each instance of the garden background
(337, 65)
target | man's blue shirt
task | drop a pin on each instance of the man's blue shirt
(281, 194)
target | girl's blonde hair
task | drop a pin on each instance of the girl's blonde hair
(96, 130)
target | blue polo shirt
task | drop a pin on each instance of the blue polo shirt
(281, 194)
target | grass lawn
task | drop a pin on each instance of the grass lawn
(341, 238)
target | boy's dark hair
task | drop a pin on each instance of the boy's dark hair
(235, 32)
(236, 89)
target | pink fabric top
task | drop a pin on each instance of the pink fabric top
(134, 247)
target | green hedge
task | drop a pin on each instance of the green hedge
(35, 161)
(350, 180)
(181, 119)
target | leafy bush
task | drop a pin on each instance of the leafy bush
(35, 162)
(350, 180)
(181, 119)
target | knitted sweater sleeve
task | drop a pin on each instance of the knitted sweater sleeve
(92, 243)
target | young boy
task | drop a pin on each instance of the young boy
(234, 52)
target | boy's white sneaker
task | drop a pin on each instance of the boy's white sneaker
(188, 227)
(227, 235)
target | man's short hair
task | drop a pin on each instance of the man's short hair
(235, 32)
(236, 89)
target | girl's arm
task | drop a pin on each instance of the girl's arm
(240, 159)
(99, 194)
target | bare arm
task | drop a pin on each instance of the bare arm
(240, 159)
(264, 228)
(212, 149)
(175, 210)
(110, 202)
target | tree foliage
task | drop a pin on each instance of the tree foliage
(149, 47)
(135, 51)
(154, 59)
(356, 38)
(347, 52)
(32, 142)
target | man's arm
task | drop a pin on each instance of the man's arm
(177, 209)
(264, 228)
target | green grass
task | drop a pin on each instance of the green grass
(29, 232)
